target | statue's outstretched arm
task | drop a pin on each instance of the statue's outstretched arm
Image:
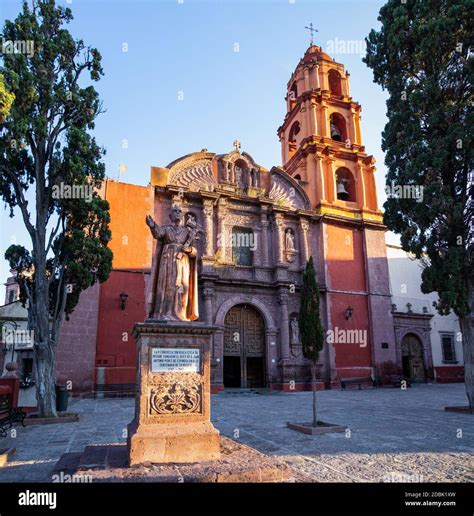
(157, 231)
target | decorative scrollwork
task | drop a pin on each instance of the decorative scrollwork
(182, 395)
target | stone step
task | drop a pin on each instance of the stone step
(238, 463)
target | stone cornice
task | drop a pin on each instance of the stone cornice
(152, 326)
(318, 96)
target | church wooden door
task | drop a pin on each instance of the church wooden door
(244, 348)
(412, 358)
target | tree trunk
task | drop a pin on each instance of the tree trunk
(313, 387)
(44, 341)
(467, 330)
(45, 381)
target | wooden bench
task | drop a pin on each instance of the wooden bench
(358, 381)
(9, 414)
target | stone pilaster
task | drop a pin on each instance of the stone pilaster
(264, 237)
(316, 76)
(209, 227)
(346, 82)
(221, 236)
(353, 127)
(284, 325)
(304, 228)
(325, 126)
(332, 187)
(208, 309)
(279, 239)
(320, 178)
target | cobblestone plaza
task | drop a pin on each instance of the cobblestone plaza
(394, 435)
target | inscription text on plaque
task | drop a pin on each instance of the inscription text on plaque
(175, 360)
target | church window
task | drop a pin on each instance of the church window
(242, 246)
(294, 130)
(345, 185)
(338, 127)
(335, 83)
(11, 296)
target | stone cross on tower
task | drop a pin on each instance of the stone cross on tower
(236, 144)
(311, 29)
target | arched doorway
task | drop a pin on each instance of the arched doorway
(244, 348)
(412, 358)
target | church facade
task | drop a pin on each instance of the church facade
(260, 225)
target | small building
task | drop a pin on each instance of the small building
(16, 343)
(429, 344)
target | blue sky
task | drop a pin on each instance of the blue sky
(181, 86)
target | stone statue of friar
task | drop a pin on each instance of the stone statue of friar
(172, 294)
(294, 331)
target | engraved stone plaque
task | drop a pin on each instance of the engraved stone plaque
(175, 360)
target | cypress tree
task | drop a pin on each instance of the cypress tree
(311, 328)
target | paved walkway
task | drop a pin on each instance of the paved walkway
(394, 435)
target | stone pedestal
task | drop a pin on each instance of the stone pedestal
(172, 407)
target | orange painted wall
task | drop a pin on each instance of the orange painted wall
(345, 258)
(349, 357)
(129, 205)
(116, 348)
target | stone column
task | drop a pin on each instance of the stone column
(352, 127)
(360, 184)
(284, 151)
(332, 187)
(304, 227)
(208, 310)
(325, 129)
(305, 117)
(357, 128)
(272, 355)
(320, 178)
(316, 76)
(279, 240)
(209, 227)
(284, 325)
(264, 239)
(313, 117)
(306, 79)
(217, 365)
(348, 91)
(221, 236)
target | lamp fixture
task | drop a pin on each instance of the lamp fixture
(123, 299)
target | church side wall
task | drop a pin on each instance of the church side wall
(348, 339)
(116, 348)
(76, 350)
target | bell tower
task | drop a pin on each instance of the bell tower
(321, 141)
(321, 146)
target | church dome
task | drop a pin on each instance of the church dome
(315, 52)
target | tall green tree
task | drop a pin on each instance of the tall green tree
(6, 100)
(50, 169)
(422, 55)
(311, 328)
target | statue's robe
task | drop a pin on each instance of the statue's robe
(172, 293)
